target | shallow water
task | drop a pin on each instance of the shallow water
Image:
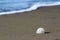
(13, 6)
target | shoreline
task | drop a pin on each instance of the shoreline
(33, 7)
(23, 26)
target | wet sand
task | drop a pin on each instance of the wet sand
(23, 26)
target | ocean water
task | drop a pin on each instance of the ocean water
(14, 6)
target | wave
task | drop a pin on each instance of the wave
(33, 7)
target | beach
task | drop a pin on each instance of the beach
(22, 26)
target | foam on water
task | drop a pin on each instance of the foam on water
(32, 7)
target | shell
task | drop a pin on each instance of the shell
(40, 31)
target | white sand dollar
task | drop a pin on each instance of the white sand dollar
(40, 31)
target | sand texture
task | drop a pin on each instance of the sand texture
(23, 26)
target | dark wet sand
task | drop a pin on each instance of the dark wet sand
(23, 26)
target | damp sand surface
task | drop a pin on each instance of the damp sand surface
(22, 26)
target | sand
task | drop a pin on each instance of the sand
(23, 26)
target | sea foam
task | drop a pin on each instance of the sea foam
(32, 7)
